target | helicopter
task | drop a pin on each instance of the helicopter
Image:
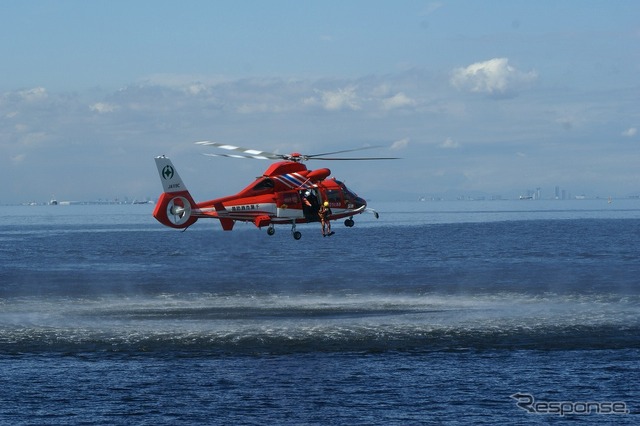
(286, 193)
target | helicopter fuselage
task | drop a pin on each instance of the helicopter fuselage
(287, 193)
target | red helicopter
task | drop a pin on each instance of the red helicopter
(286, 193)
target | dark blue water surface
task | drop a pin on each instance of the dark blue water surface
(436, 313)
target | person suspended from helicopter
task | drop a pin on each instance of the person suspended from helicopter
(324, 213)
(305, 199)
(310, 205)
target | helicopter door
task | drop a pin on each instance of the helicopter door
(310, 204)
(288, 205)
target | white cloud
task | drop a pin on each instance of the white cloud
(449, 144)
(400, 144)
(399, 100)
(33, 95)
(630, 132)
(103, 107)
(493, 77)
(197, 89)
(380, 90)
(340, 99)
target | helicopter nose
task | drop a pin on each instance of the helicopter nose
(360, 203)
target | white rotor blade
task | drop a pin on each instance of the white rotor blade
(265, 155)
(248, 153)
(255, 157)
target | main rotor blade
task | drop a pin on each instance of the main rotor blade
(354, 158)
(265, 155)
(252, 157)
(344, 150)
(249, 153)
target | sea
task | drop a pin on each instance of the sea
(438, 312)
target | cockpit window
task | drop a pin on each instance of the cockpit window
(265, 183)
(347, 193)
(333, 196)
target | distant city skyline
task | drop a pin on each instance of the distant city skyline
(529, 194)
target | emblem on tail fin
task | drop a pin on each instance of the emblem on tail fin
(167, 172)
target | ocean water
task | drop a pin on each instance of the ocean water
(437, 313)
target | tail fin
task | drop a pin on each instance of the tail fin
(175, 205)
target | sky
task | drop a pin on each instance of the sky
(476, 98)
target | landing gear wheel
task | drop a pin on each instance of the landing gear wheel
(296, 234)
(349, 223)
(271, 230)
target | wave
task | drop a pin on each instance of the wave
(267, 323)
(268, 340)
